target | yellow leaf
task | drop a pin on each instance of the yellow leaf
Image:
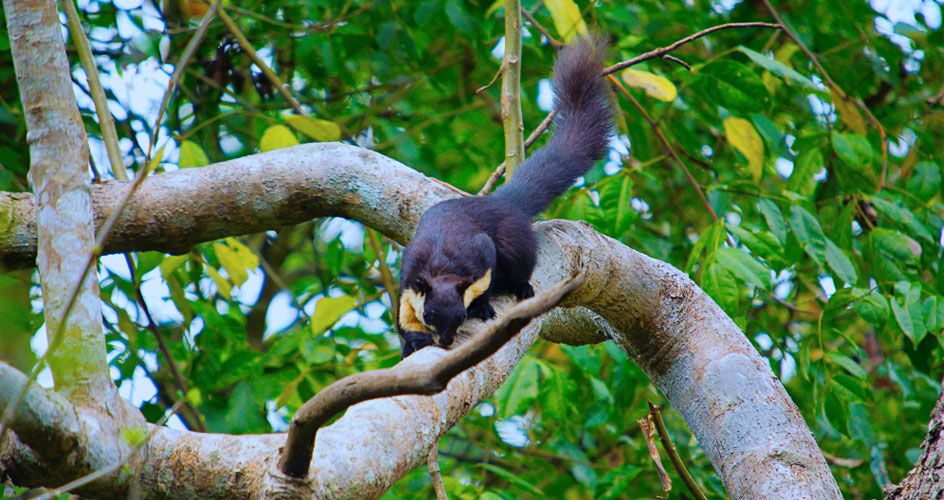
(319, 130)
(849, 114)
(277, 137)
(221, 283)
(655, 85)
(567, 19)
(328, 311)
(742, 135)
(192, 155)
(235, 258)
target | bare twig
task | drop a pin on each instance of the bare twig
(840, 94)
(435, 473)
(401, 380)
(82, 481)
(649, 434)
(105, 120)
(662, 51)
(266, 70)
(501, 69)
(500, 171)
(534, 22)
(386, 277)
(669, 448)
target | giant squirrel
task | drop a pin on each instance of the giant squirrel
(467, 249)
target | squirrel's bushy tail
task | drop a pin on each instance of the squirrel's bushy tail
(582, 126)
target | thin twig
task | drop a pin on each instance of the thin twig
(501, 69)
(189, 50)
(534, 22)
(105, 121)
(677, 61)
(435, 473)
(386, 277)
(660, 52)
(500, 171)
(403, 379)
(162, 346)
(670, 149)
(669, 448)
(649, 434)
(840, 94)
(88, 478)
(266, 70)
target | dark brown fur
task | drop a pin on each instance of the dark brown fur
(461, 242)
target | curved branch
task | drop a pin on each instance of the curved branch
(173, 211)
(402, 379)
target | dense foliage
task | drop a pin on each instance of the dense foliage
(826, 250)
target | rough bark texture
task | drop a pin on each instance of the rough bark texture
(926, 479)
(172, 212)
(724, 389)
(87, 434)
(59, 175)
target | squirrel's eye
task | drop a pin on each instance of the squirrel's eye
(421, 285)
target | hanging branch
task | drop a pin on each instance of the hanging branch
(403, 379)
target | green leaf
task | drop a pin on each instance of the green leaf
(853, 149)
(731, 85)
(277, 137)
(744, 266)
(925, 180)
(873, 308)
(519, 391)
(778, 68)
(846, 362)
(809, 233)
(222, 284)
(709, 242)
(774, 218)
(514, 478)
(900, 214)
(328, 311)
(192, 155)
(720, 284)
(904, 321)
(839, 263)
(460, 18)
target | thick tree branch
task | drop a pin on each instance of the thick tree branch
(172, 212)
(402, 380)
(708, 370)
